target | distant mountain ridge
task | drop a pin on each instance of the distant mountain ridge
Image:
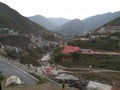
(90, 23)
(41, 20)
(95, 22)
(72, 27)
(59, 21)
(9, 18)
(49, 23)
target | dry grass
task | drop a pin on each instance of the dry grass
(103, 77)
(47, 86)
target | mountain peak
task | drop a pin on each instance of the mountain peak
(41, 20)
(72, 27)
(76, 20)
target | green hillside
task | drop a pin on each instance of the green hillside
(10, 18)
(114, 22)
(15, 41)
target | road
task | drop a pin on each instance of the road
(9, 70)
(102, 53)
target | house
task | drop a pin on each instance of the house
(86, 50)
(69, 49)
(98, 35)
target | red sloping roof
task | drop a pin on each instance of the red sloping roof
(69, 49)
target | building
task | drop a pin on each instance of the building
(69, 49)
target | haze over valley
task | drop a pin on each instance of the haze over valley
(58, 53)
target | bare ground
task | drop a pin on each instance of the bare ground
(47, 86)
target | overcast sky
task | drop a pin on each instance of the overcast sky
(64, 8)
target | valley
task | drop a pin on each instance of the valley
(48, 53)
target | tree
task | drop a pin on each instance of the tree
(1, 76)
(30, 58)
(75, 55)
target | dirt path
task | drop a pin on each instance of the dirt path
(87, 70)
(102, 53)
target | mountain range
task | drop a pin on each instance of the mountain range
(9, 18)
(67, 26)
(48, 23)
(95, 22)
(41, 20)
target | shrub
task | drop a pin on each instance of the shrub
(1, 76)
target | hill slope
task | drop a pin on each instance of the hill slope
(95, 22)
(72, 27)
(114, 22)
(111, 27)
(43, 21)
(10, 18)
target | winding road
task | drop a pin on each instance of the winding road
(9, 70)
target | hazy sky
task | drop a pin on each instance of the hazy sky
(64, 8)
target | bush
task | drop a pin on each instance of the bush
(106, 44)
(1, 76)
(41, 79)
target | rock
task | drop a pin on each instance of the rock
(13, 80)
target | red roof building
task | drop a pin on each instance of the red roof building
(69, 49)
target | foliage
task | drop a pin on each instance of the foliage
(41, 79)
(18, 41)
(101, 44)
(58, 57)
(114, 22)
(51, 37)
(11, 54)
(101, 61)
(1, 76)
(12, 19)
(103, 77)
(31, 57)
(84, 60)
(115, 34)
(75, 55)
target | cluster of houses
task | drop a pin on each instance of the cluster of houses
(105, 31)
(109, 29)
(100, 33)
(36, 40)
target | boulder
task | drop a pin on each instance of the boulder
(13, 80)
(97, 86)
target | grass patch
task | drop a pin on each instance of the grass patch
(97, 61)
(103, 77)
(40, 80)
(1, 76)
